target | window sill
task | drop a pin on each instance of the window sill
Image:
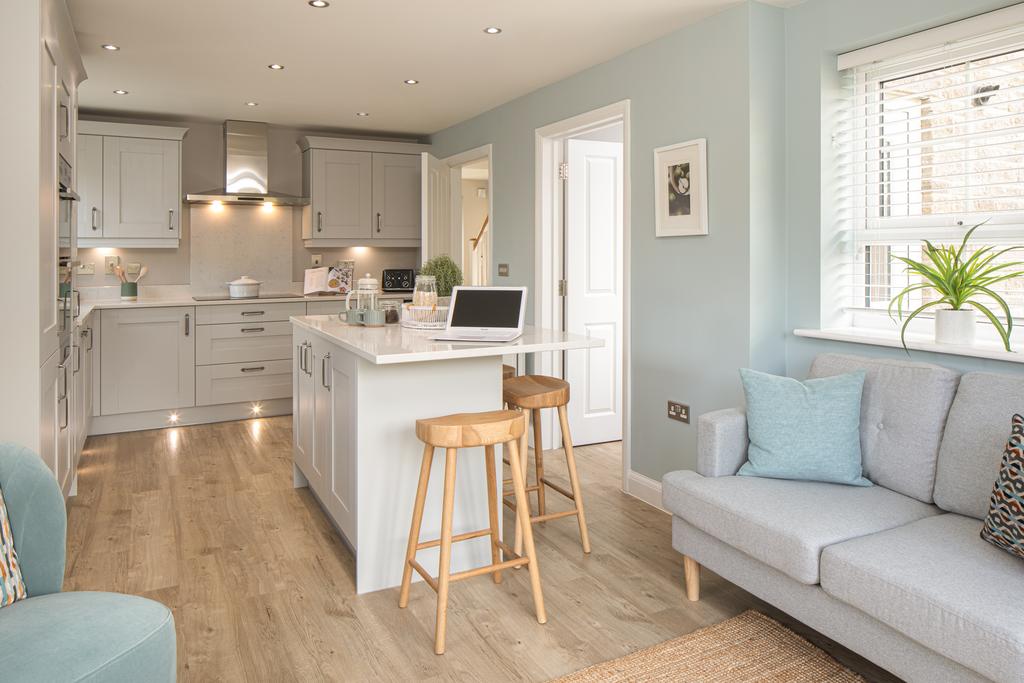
(915, 342)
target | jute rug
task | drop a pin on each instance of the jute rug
(750, 647)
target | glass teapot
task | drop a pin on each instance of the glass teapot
(367, 293)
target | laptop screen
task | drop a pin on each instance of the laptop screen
(487, 308)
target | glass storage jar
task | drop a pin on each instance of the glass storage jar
(425, 292)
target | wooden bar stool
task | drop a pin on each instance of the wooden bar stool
(530, 394)
(467, 430)
(507, 371)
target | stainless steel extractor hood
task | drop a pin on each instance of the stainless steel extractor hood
(245, 170)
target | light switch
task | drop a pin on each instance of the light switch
(318, 260)
(502, 270)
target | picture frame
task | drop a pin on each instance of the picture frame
(681, 189)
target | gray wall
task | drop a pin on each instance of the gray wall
(203, 169)
(691, 297)
(815, 32)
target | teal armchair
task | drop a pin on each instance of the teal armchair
(75, 636)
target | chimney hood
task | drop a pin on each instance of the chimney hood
(245, 170)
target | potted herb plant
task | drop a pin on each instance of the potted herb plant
(445, 271)
(961, 283)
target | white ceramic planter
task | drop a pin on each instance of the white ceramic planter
(955, 327)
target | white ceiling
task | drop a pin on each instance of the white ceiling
(206, 58)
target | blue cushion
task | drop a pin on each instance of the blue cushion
(84, 636)
(804, 430)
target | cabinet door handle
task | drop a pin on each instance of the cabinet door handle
(319, 221)
(300, 349)
(170, 219)
(62, 385)
(64, 424)
(309, 361)
(323, 371)
(95, 213)
(90, 339)
(253, 329)
(188, 324)
(378, 221)
(253, 313)
(78, 358)
(259, 368)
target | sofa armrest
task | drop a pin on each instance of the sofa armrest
(721, 442)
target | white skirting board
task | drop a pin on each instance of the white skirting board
(159, 419)
(646, 489)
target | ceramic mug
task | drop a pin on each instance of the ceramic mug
(373, 318)
(353, 316)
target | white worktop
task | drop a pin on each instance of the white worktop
(395, 344)
(170, 299)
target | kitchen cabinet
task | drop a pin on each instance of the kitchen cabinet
(302, 408)
(83, 385)
(147, 359)
(362, 192)
(396, 196)
(340, 194)
(89, 166)
(323, 420)
(243, 382)
(129, 181)
(141, 188)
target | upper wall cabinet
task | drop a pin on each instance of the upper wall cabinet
(129, 181)
(362, 192)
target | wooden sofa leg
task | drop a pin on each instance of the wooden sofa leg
(691, 572)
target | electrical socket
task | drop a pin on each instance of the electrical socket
(87, 268)
(679, 411)
(109, 262)
(318, 260)
(134, 268)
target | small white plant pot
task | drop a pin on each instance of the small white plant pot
(955, 327)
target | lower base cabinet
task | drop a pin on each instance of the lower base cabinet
(240, 382)
(323, 423)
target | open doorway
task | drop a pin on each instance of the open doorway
(476, 219)
(583, 267)
(457, 210)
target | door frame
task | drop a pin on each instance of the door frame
(455, 163)
(548, 155)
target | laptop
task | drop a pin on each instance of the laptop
(485, 314)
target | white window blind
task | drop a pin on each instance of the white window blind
(930, 144)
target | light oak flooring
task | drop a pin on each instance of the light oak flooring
(205, 520)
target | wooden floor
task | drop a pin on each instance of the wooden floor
(205, 520)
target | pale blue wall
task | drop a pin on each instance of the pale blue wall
(690, 297)
(816, 32)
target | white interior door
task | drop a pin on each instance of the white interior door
(594, 264)
(436, 198)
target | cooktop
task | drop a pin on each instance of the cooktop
(225, 297)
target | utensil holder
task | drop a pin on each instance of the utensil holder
(129, 291)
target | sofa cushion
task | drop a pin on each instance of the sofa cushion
(936, 581)
(1004, 526)
(975, 437)
(808, 431)
(783, 523)
(85, 636)
(12, 586)
(902, 415)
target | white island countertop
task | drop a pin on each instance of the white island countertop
(395, 344)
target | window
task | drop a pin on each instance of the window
(930, 144)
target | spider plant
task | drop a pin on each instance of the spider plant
(960, 282)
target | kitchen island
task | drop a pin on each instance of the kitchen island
(356, 396)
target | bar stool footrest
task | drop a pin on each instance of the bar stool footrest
(455, 539)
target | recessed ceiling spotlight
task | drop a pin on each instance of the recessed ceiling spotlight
(492, 30)
(411, 81)
(362, 113)
(120, 92)
(252, 104)
(111, 47)
(319, 4)
(275, 67)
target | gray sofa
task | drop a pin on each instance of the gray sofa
(895, 572)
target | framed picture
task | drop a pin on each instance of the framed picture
(681, 189)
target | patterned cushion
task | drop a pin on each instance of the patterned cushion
(1004, 526)
(12, 586)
